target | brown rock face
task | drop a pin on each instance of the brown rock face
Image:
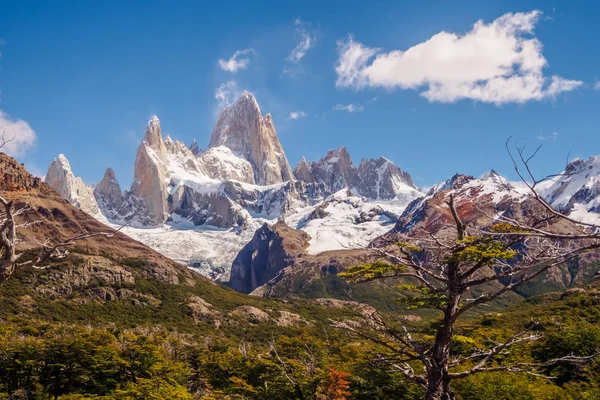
(272, 249)
(14, 177)
(151, 175)
(303, 172)
(243, 129)
(59, 220)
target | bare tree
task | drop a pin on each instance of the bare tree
(447, 265)
(11, 259)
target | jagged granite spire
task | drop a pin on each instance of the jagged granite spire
(71, 188)
(195, 149)
(108, 192)
(303, 172)
(151, 174)
(243, 129)
(336, 170)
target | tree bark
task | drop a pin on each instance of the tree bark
(438, 379)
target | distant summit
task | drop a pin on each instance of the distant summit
(242, 128)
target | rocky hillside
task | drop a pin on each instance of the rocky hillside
(71, 188)
(479, 203)
(98, 268)
(117, 280)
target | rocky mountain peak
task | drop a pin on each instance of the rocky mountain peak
(108, 192)
(336, 170)
(151, 173)
(177, 147)
(376, 178)
(247, 101)
(63, 162)
(303, 172)
(71, 188)
(458, 180)
(341, 156)
(194, 148)
(577, 190)
(153, 136)
(380, 178)
(59, 170)
(109, 175)
(497, 179)
(241, 128)
(579, 165)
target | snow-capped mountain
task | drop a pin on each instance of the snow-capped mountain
(478, 201)
(70, 187)
(374, 178)
(243, 129)
(202, 207)
(576, 191)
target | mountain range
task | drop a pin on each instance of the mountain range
(216, 208)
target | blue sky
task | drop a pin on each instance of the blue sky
(84, 77)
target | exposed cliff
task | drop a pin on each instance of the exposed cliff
(243, 129)
(272, 249)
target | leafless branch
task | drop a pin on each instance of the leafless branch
(4, 141)
(9, 260)
(535, 182)
(527, 368)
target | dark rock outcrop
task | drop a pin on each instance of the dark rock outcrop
(272, 249)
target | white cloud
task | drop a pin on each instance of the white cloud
(597, 85)
(348, 107)
(227, 93)
(297, 114)
(16, 134)
(306, 42)
(500, 62)
(238, 61)
(552, 136)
